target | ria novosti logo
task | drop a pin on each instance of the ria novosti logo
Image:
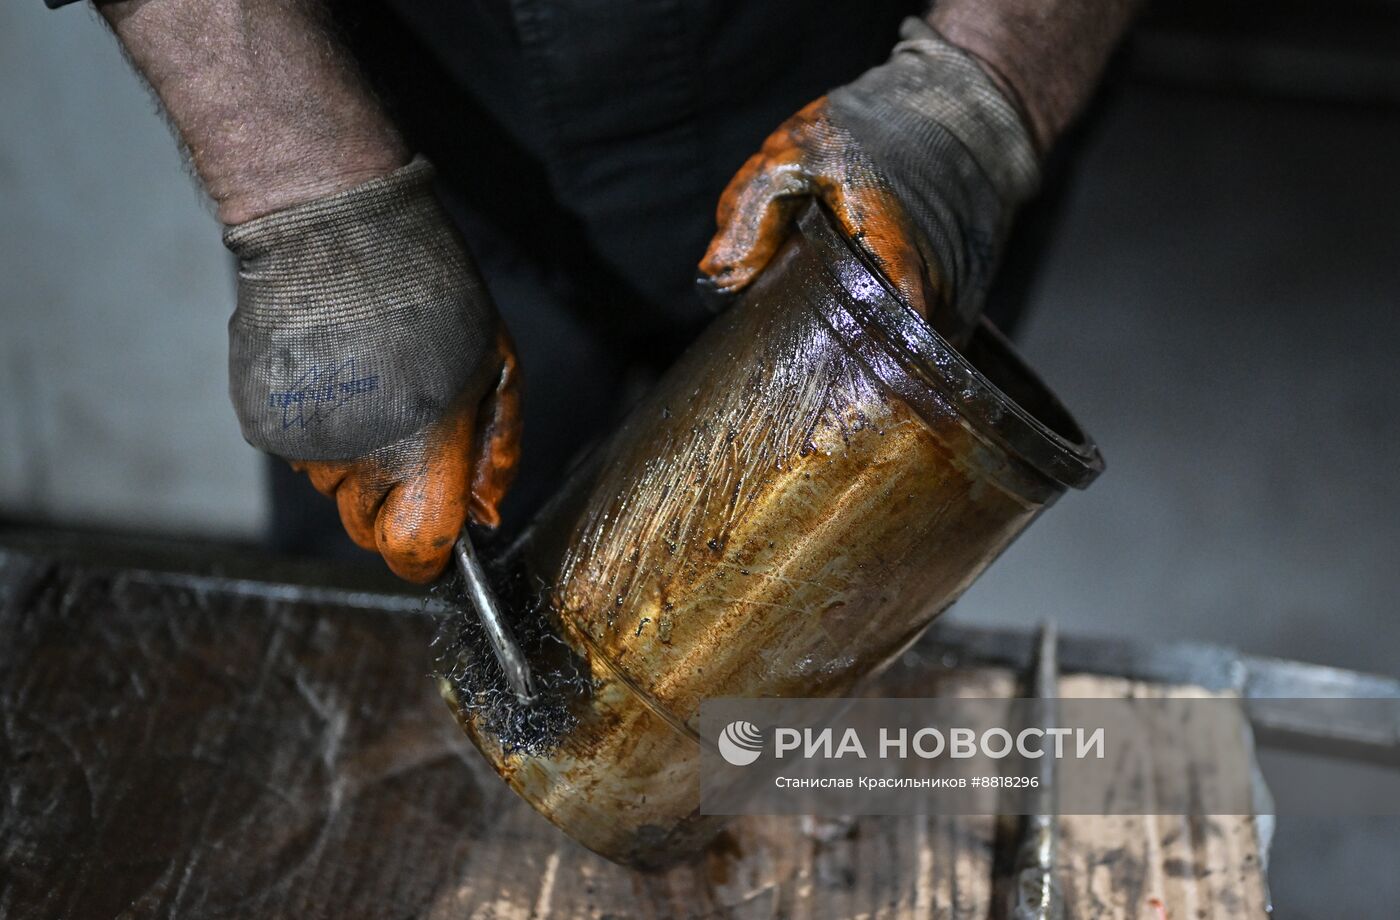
(741, 743)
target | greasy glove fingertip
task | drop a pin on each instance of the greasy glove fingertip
(484, 513)
(415, 537)
(415, 561)
(357, 515)
(713, 295)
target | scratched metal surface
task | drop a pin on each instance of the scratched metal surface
(172, 753)
(179, 746)
(804, 490)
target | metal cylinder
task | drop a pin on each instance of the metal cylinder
(816, 479)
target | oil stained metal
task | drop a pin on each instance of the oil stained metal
(815, 480)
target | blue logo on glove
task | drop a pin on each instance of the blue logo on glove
(316, 394)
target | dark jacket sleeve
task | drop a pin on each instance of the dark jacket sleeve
(55, 4)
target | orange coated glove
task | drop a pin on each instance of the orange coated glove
(366, 351)
(812, 156)
(408, 500)
(921, 161)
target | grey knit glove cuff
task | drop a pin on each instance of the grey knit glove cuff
(955, 150)
(360, 318)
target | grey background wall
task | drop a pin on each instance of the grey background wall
(114, 292)
(1221, 309)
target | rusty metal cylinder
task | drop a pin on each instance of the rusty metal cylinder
(816, 479)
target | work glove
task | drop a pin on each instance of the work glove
(922, 161)
(366, 351)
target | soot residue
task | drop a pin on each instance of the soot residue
(463, 656)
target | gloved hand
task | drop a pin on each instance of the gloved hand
(366, 351)
(921, 160)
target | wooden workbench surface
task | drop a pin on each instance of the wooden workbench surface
(180, 753)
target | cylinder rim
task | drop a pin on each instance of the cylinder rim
(910, 357)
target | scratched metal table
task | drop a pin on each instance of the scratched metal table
(226, 742)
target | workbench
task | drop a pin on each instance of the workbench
(181, 743)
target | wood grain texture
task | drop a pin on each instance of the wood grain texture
(182, 754)
(1150, 867)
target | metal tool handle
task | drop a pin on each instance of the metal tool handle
(508, 653)
(1035, 892)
